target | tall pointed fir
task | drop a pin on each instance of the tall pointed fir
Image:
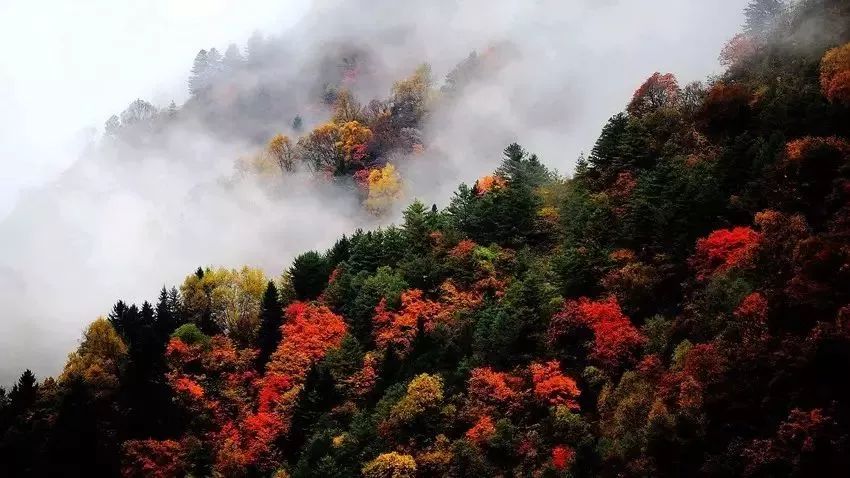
(199, 79)
(271, 318)
(166, 315)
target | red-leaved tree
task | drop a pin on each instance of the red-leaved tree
(615, 339)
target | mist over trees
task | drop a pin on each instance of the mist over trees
(159, 194)
(676, 307)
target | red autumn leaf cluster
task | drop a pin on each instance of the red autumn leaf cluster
(726, 106)
(463, 249)
(753, 308)
(489, 183)
(614, 337)
(751, 314)
(361, 383)
(797, 438)
(553, 387)
(723, 250)
(738, 49)
(274, 385)
(835, 74)
(188, 387)
(399, 328)
(811, 146)
(493, 391)
(704, 365)
(562, 457)
(152, 459)
(656, 92)
(482, 431)
(307, 335)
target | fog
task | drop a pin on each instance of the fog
(93, 218)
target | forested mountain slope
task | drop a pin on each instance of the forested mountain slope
(680, 306)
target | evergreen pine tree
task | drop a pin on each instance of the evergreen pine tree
(607, 151)
(316, 398)
(255, 48)
(175, 304)
(199, 80)
(233, 58)
(309, 273)
(271, 318)
(118, 316)
(415, 227)
(112, 125)
(166, 317)
(340, 252)
(761, 15)
(24, 392)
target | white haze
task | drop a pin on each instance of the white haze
(121, 223)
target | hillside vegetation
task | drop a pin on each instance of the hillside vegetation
(679, 306)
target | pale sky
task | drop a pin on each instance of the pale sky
(69, 64)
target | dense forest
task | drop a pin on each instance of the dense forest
(678, 306)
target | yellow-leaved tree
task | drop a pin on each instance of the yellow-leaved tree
(282, 151)
(411, 97)
(390, 465)
(424, 394)
(835, 74)
(346, 108)
(226, 300)
(384, 188)
(98, 359)
(236, 302)
(333, 147)
(354, 138)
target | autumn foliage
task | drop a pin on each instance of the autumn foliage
(553, 387)
(390, 465)
(562, 457)
(400, 328)
(614, 338)
(835, 74)
(383, 187)
(482, 431)
(488, 183)
(678, 305)
(741, 47)
(659, 90)
(807, 149)
(723, 250)
(308, 333)
(153, 458)
(493, 392)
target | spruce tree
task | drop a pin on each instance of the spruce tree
(340, 252)
(761, 15)
(199, 79)
(606, 152)
(233, 59)
(166, 319)
(118, 316)
(271, 318)
(24, 392)
(415, 227)
(310, 273)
